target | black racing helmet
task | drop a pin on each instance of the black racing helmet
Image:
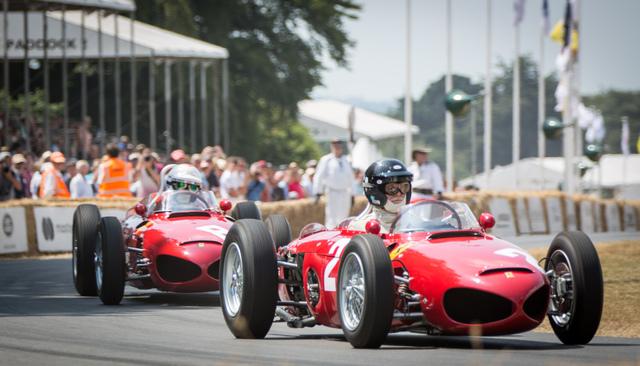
(379, 174)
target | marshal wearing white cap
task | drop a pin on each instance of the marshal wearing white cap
(334, 178)
(427, 177)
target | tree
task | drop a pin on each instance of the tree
(614, 105)
(276, 49)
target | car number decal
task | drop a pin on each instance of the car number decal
(336, 250)
(513, 253)
(215, 230)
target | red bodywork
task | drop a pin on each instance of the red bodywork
(177, 252)
(465, 281)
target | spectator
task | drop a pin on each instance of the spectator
(307, 177)
(19, 169)
(69, 171)
(256, 190)
(52, 183)
(85, 138)
(296, 191)
(36, 178)
(334, 178)
(178, 156)
(146, 175)
(427, 177)
(79, 186)
(357, 189)
(10, 185)
(232, 181)
(113, 175)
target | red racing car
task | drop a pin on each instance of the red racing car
(436, 272)
(170, 241)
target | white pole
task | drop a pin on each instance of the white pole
(576, 80)
(516, 105)
(541, 106)
(488, 96)
(448, 115)
(408, 100)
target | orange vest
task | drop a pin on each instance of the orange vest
(61, 188)
(115, 179)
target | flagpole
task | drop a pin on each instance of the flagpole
(487, 102)
(408, 100)
(568, 138)
(516, 103)
(541, 103)
(448, 115)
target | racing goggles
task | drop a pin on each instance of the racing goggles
(392, 189)
(184, 186)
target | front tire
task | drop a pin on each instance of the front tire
(86, 219)
(248, 279)
(110, 262)
(246, 210)
(576, 287)
(279, 228)
(365, 291)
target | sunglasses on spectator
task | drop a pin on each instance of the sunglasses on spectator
(183, 186)
(393, 189)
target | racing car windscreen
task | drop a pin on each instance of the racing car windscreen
(177, 201)
(432, 216)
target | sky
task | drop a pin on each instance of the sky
(609, 45)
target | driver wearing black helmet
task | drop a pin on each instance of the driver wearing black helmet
(387, 186)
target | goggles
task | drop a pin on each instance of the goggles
(392, 189)
(184, 186)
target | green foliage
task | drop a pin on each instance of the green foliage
(36, 105)
(276, 50)
(613, 106)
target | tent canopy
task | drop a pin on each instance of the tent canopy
(329, 119)
(113, 5)
(149, 41)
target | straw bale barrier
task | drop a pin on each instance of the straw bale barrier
(305, 211)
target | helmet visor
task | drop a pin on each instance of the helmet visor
(184, 186)
(392, 189)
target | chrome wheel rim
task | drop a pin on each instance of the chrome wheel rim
(233, 280)
(74, 254)
(352, 291)
(97, 259)
(562, 302)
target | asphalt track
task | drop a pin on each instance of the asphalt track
(44, 322)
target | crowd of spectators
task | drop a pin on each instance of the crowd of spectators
(229, 177)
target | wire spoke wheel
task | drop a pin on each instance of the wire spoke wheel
(233, 279)
(97, 259)
(353, 286)
(562, 304)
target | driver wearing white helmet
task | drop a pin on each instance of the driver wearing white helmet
(184, 182)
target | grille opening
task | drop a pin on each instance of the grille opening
(214, 270)
(470, 306)
(455, 234)
(506, 269)
(173, 269)
(536, 305)
(189, 214)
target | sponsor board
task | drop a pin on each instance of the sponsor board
(522, 216)
(54, 228)
(630, 219)
(554, 211)
(13, 234)
(505, 223)
(586, 217)
(613, 217)
(536, 215)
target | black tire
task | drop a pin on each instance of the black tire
(576, 249)
(86, 219)
(279, 228)
(253, 313)
(110, 277)
(246, 210)
(377, 313)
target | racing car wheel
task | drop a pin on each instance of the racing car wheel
(246, 210)
(110, 261)
(577, 289)
(86, 219)
(279, 228)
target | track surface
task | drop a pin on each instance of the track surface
(44, 322)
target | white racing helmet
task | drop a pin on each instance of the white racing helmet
(182, 177)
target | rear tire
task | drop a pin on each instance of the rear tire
(248, 279)
(246, 210)
(279, 228)
(578, 283)
(365, 266)
(110, 262)
(86, 219)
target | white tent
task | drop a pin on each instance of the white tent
(117, 5)
(329, 119)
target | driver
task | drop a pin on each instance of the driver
(387, 186)
(186, 181)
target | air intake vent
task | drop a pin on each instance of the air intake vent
(173, 269)
(536, 305)
(505, 269)
(174, 215)
(455, 234)
(470, 306)
(214, 270)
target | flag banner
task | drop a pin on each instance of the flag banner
(624, 136)
(518, 14)
(545, 16)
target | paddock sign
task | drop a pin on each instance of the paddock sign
(13, 234)
(54, 228)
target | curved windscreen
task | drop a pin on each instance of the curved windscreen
(432, 216)
(176, 201)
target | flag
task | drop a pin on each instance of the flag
(568, 18)
(351, 122)
(624, 136)
(518, 8)
(545, 16)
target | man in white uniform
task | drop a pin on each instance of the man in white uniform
(333, 178)
(427, 177)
